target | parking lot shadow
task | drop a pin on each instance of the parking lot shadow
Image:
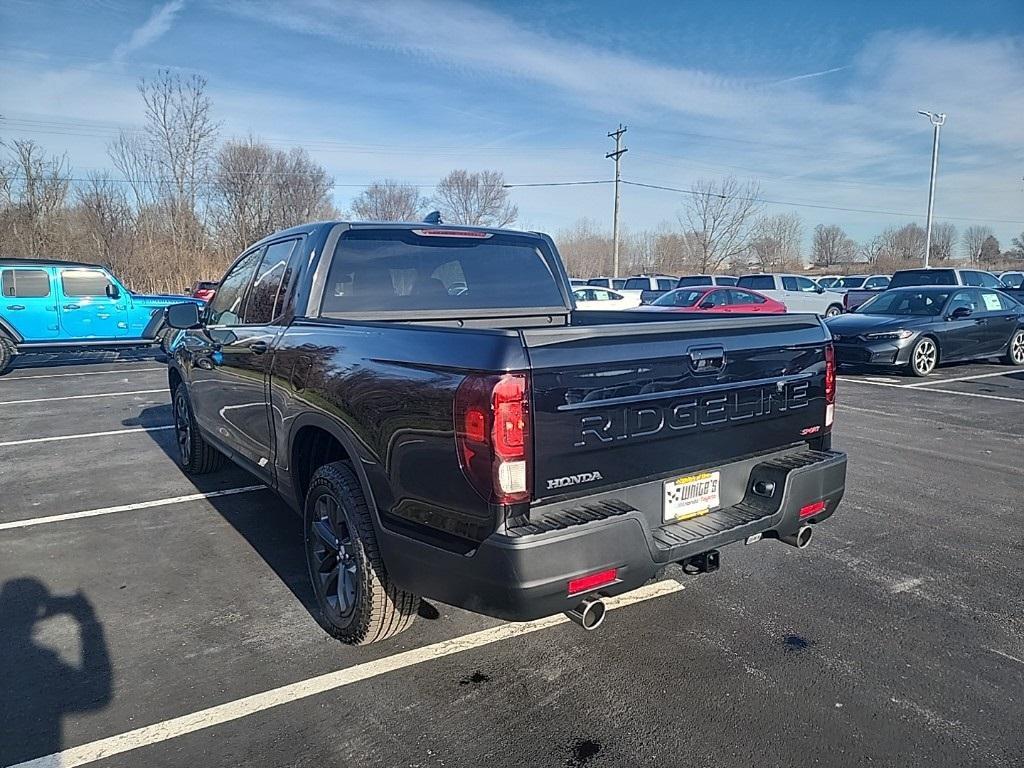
(272, 529)
(38, 687)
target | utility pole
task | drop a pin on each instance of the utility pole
(936, 120)
(618, 153)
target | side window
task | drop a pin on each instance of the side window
(987, 280)
(971, 277)
(876, 282)
(226, 307)
(743, 297)
(967, 299)
(666, 284)
(25, 283)
(806, 285)
(757, 282)
(84, 282)
(789, 284)
(601, 295)
(992, 301)
(715, 299)
(269, 289)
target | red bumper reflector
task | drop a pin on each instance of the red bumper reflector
(593, 581)
(812, 509)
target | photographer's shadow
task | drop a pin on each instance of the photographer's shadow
(38, 687)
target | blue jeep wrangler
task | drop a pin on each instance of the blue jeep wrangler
(56, 305)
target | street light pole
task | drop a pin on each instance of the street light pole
(936, 120)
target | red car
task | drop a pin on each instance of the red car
(204, 290)
(717, 299)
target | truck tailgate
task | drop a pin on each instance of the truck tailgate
(619, 402)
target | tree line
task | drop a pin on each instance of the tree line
(185, 203)
(722, 227)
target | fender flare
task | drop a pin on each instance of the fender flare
(10, 331)
(156, 322)
(348, 441)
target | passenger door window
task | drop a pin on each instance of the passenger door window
(789, 284)
(80, 283)
(226, 307)
(665, 284)
(875, 283)
(805, 285)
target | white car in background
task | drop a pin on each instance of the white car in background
(798, 293)
(591, 297)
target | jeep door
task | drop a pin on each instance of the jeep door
(91, 306)
(28, 302)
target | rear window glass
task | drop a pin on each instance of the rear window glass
(725, 280)
(911, 277)
(757, 282)
(686, 282)
(637, 284)
(400, 271)
(25, 283)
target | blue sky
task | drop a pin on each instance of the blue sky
(816, 101)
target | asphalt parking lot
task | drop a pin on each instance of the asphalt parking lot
(147, 619)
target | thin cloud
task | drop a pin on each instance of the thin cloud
(155, 27)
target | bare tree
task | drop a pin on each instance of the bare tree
(257, 190)
(33, 196)
(943, 239)
(832, 246)
(585, 250)
(106, 222)
(720, 215)
(973, 239)
(479, 199)
(389, 200)
(775, 244)
(896, 248)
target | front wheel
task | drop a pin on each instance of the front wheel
(834, 311)
(195, 455)
(7, 353)
(358, 603)
(924, 356)
(1015, 349)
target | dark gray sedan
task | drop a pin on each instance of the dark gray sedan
(916, 328)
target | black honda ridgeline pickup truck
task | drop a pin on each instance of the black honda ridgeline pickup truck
(451, 427)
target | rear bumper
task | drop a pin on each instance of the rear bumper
(522, 573)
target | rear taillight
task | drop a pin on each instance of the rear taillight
(492, 432)
(830, 385)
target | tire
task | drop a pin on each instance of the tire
(1015, 349)
(834, 311)
(924, 356)
(357, 602)
(7, 352)
(195, 455)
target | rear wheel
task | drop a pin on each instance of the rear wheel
(833, 311)
(7, 352)
(924, 356)
(195, 455)
(358, 603)
(1015, 349)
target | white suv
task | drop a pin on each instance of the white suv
(798, 293)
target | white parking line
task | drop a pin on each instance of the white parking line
(29, 522)
(959, 378)
(86, 397)
(250, 705)
(58, 438)
(943, 391)
(83, 373)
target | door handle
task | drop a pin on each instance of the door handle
(15, 307)
(71, 306)
(258, 347)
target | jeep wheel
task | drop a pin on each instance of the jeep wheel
(195, 455)
(358, 603)
(7, 352)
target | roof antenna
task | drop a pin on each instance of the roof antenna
(434, 217)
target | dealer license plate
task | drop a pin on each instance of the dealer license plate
(691, 496)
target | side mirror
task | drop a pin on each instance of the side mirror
(960, 313)
(818, 289)
(112, 292)
(183, 316)
(707, 305)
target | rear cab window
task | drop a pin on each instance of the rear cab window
(637, 284)
(912, 277)
(403, 272)
(757, 282)
(25, 283)
(686, 282)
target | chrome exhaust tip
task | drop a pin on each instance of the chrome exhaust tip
(801, 539)
(589, 614)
